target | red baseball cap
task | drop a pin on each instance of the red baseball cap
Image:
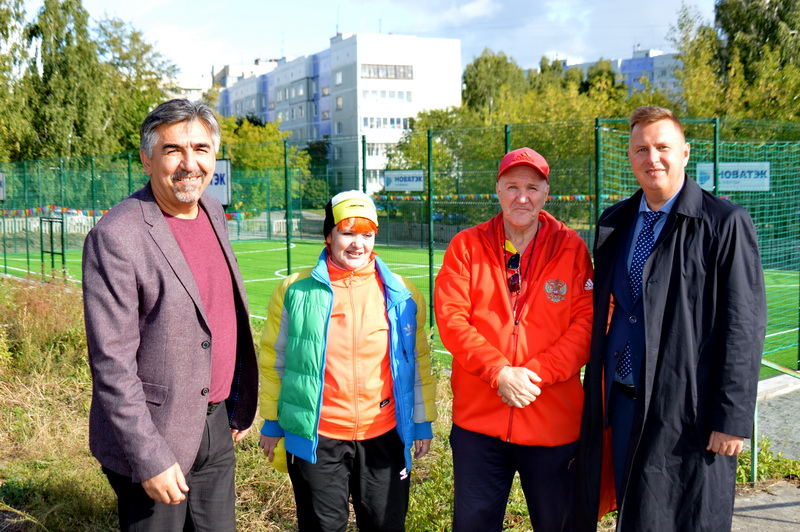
(527, 157)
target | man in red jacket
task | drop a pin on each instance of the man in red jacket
(514, 303)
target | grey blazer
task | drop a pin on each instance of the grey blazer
(150, 344)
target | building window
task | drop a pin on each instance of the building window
(387, 71)
(271, 106)
(326, 115)
(338, 129)
(339, 103)
(293, 92)
(382, 122)
(377, 149)
(338, 78)
(279, 95)
(337, 153)
(300, 90)
(326, 90)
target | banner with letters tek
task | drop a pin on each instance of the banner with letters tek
(746, 176)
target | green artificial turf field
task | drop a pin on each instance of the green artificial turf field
(264, 263)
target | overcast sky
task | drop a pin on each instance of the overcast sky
(196, 34)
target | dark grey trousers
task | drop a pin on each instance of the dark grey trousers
(209, 505)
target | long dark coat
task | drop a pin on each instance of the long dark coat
(705, 320)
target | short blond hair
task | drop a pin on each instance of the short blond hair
(647, 114)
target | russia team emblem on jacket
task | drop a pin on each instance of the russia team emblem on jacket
(556, 290)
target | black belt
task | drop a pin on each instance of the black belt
(212, 407)
(628, 390)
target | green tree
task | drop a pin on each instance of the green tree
(750, 28)
(453, 135)
(551, 73)
(316, 191)
(489, 78)
(257, 158)
(698, 48)
(748, 69)
(66, 85)
(138, 78)
(15, 130)
(601, 78)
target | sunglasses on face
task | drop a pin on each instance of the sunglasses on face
(514, 279)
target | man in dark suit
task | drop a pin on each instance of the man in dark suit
(170, 348)
(674, 372)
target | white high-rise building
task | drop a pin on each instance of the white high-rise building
(364, 87)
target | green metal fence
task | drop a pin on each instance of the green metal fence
(769, 191)
(279, 190)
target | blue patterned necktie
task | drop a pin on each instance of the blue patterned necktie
(642, 250)
(644, 244)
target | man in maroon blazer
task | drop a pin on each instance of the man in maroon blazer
(170, 348)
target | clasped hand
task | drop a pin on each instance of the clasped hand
(517, 386)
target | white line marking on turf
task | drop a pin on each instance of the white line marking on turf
(261, 250)
(780, 333)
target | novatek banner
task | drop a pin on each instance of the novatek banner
(404, 180)
(220, 185)
(750, 176)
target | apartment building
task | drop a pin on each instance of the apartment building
(363, 85)
(658, 67)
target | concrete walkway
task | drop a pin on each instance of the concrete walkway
(774, 507)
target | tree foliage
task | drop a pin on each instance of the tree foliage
(15, 128)
(257, 152)
(71, 87)
(750, 29)
(138, 77)
(67, 91)
(748, 66)
(489, 79)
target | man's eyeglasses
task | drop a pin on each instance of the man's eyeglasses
(514, 280)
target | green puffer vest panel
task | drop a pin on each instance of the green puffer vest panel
(308, 302)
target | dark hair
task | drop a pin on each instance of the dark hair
(648, 114)
(328, 225)
(173, 112)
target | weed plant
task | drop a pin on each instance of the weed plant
(770, 466)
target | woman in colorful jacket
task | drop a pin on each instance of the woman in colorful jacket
(514, 307)
(346, 378)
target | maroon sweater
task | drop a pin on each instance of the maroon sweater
(211, 272)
